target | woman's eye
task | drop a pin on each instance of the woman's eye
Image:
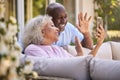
(53, 26)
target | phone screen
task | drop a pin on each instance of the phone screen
(99, 21)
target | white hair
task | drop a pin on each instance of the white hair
(33, 30)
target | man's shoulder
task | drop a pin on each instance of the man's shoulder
(70, 25)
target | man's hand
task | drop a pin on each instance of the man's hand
(83, 25)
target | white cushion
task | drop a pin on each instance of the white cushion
(105, 51)
(115, 50)
(76, 67)
(71, 50)
(104, 69)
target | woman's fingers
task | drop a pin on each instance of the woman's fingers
(100, 33)
(78, 46)
(77, 41)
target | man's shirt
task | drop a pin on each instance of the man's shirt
(68, 35)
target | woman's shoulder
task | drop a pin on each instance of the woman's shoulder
(55, 46)
(58, 47)
(32, 47)
(37, 47)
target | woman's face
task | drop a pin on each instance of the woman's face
(50, 32)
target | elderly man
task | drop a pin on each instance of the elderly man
(67, 31)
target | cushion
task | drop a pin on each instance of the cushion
(115, 50)
(104, 69)
(71, 50)
(105, 51)
(76, 67)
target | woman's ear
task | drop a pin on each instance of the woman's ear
(43, 32)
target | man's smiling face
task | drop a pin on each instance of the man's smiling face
(59, 18)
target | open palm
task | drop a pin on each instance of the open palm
(83, 25)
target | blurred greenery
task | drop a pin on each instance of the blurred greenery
(114, 20)
(110, 10)
(59, 1)
(38, 7)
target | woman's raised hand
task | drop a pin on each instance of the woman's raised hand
(100, 35)
(78, 47)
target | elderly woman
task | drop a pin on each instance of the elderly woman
(40, 33)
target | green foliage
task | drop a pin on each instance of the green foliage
(111, 9)
(59, 1)
(113, 20)
(38, 7)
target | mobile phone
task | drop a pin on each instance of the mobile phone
(99, 21)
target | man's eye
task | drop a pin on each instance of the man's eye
(59, 18)
(65, 17)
